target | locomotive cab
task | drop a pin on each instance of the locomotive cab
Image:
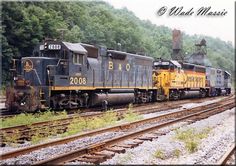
(170, 75)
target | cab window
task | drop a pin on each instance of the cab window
(78, 58)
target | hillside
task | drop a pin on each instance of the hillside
(26, 23)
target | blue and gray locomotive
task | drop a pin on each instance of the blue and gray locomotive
(71, 75)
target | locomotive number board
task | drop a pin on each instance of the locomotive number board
(78, 81)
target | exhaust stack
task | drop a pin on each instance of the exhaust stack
(177, 44)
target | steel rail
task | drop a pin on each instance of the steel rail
(227, 155)
(99, 131)
(61, 124)
(63, 158)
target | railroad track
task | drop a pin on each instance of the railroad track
(25, 132)
(8, 114)
(99, 152)
(226, 157)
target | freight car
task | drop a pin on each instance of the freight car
(72, 75)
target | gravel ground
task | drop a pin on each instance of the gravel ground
(209, 151)
(58, 149)
(184, 106)
(55, 150)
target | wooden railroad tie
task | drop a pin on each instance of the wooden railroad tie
(116, 149)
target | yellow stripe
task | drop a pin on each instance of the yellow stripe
(94, 88)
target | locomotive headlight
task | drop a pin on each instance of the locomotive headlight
(45, 45)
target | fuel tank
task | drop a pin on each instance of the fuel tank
(191, 94)
(112, 98)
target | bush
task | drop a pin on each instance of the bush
(191, 138)
(130, 116)
(159, 154)
(29, 118)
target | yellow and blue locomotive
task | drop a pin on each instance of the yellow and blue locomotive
(178, 80)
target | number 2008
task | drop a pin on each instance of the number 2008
(78, 80)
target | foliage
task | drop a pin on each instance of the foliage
(29, 118)
(159, 154)
(11, 139)
(177, 153)
(81, 124)
(191, 138)
(25, 24)
(130, 116)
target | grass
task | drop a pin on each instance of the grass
(81, 124)
(28, 118)
(192, 138)
(123, 160)
(3, 90)
(130, 116)
(37, 137)
(177, 153)
(78, 124)
(159, 154)
(12, 138)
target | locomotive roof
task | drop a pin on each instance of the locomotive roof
(130, 54)
(227, 72)
(193, 64)
(176, 63)
(75, 47)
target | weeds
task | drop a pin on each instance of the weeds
(3, 90)
(11, 139)
(130, 116)
(28, 118)
(77, 125)
(124, 159)
(191, 138)
(81, 124)
(37, 137)
(177, 153)
(159, 154)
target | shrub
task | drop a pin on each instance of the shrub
(29, 118)
(130, 116)
(191, 138)
(159, 154)
(177, 152)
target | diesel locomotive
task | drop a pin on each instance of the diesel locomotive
(71, 75)
(176, 80)
(64, 75)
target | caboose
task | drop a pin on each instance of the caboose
(72, 75)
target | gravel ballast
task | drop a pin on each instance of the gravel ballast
(59, 149)
(210, 149)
